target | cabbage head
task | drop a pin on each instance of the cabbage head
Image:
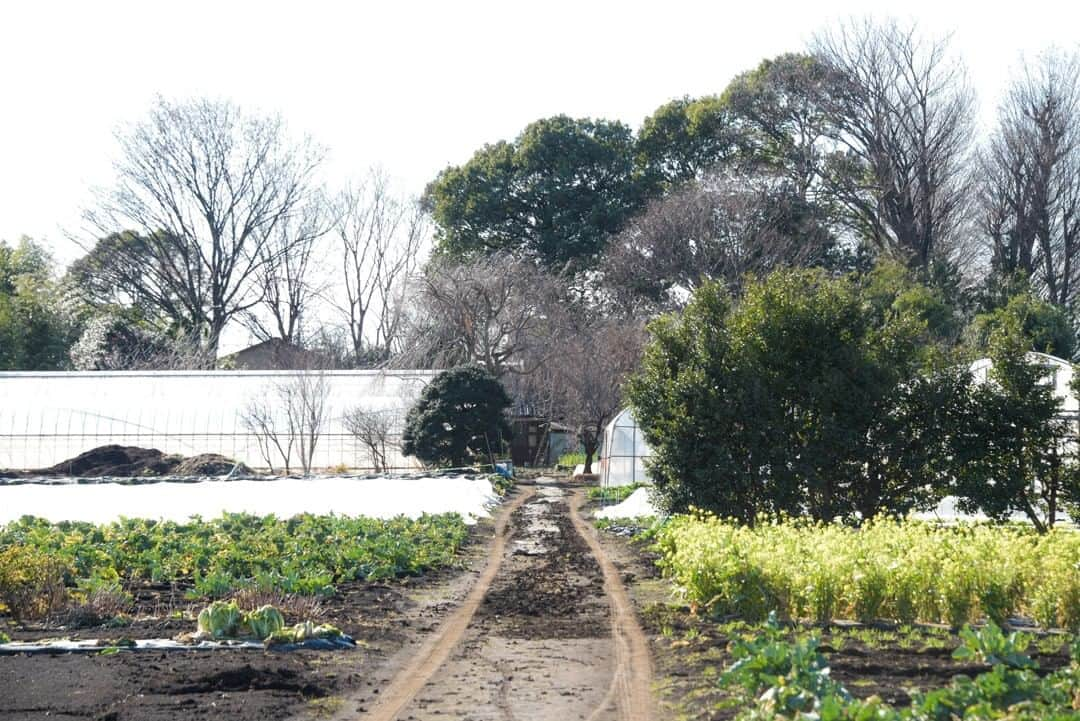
(264, 622)
(221, 619)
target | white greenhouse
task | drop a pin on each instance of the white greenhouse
(46, 418)
(1059, 373)
(623, 452)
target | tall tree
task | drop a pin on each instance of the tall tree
(902, 113)
(287, 275)
(1030, 190)
(35, 330)
(494, 311)
(206, 187)
(596, 355)
(684, 139)
(381, 236)
(718, 228)
(779, 117)
(556, 193)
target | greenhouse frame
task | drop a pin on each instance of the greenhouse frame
(47, 418)
(623, 452)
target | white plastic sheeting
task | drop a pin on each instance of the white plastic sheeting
(63, 645)
(623, 452)
(636, 505)
(46, 418)
(385, 497)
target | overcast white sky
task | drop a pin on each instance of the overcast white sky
(412, 86)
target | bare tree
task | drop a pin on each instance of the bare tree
(1030, 191)
(307, 393)
(273, 430)
(289, 416)
(379, 431)
(902, 115)
(381, 237)
(207, 188)
(595, 358)
(493, 311)
(286, 274)
(719, 228)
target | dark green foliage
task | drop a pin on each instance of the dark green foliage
(777, 114)
(1012, 457)
(35, 332)
(1046, 327)
(779, 679)
(811, 396)
(683, 139)
(557, 192)
(459, 417)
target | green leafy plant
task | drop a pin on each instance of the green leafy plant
(221, 619)
(903, 571)
(774, 678)
(40, 561)
(991, 646)
(32, 581)
(263, 622)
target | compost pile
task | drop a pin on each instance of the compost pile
(131, 461)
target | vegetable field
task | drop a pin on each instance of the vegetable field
(42, 564)
(904, 571)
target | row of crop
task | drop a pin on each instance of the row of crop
(303, 554)
(774, 678)
(887, 569)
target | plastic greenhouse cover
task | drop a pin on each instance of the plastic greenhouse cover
(47, 418)
(64, 645)
(381, 497)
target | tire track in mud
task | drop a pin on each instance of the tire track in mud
(435, 650)
(547, 631)
(631, 684)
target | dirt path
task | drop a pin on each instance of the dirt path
(547, 632)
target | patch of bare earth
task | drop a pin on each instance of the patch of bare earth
(549, 638)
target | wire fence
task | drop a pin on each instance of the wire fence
(48, 418)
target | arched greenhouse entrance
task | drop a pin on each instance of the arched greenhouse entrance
(623, 452)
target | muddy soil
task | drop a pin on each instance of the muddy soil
(538, 645)
(538, 626)
(550, 638)
(251, 685)
(690, 651)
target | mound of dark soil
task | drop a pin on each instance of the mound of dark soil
(115, 461)
(131, 461)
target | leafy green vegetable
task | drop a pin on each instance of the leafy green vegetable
(221, 619)
(301, 632)
(263, 622)
(305, 554)
(901, 570)
(774, 678)
(992, 647)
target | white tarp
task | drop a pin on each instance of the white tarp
(46, 418)
(636, 505)
(374, 497)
